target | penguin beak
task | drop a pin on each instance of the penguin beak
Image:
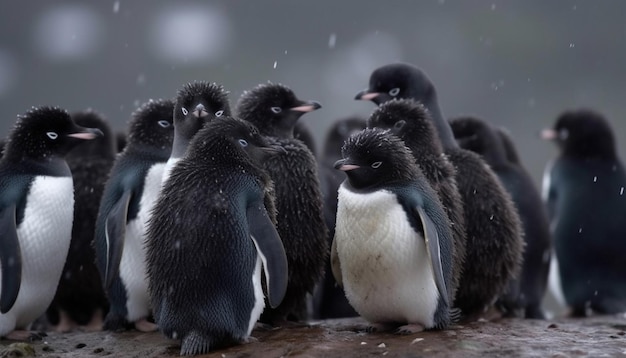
(200, 111)
(549, 134)
(307, 107)
(87, 134)
(365, 95)
(273, 149)
(344, 167)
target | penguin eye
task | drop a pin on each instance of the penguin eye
(219, 113)
(394, 91)
(243, 143)
(164, 123)
(52, 135)
(185, 111)
(563, 134)
(399, 124)
(276, 109)
(376, 165)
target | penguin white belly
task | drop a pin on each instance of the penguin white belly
(384, 263)
(133, 264)
(259, 300)
(44, 236)
(169, 165)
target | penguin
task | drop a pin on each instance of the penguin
(584, 193)
(525, 294)
(211, 232)
(129, 194)
(392, 250)
(36, 212)
(196, 104)
(509, 148)
(329, 300)
(492, 224)
(274, 109)
(412, 121)
(120, 141)
(303, 133)
(80, 299)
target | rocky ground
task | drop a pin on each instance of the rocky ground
(562, 337)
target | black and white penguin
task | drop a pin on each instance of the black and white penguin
(129, 194)
(393, 242)
(211, 233)
(329, 300)
(493, 228)
(275, 109)
(584, 192)
(80, 299)
(197, 103)
(524, 296)
(412, 122)
(36, 213)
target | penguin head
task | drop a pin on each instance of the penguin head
(46, 132)
(339, 132)
(478, 136)
(398, 80)
(374, 157)
(274, 108)
(198, 103)
(103, 146)
(410, 121)
(151, 126)
(582, 133)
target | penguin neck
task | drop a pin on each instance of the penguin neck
(179, 146)
(54, 166)
(443, 128)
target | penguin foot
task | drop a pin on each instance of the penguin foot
(378, 327)
(409, 329)
(96, 323)
(143, 325)
(66, 324)
(25, 336)
(266, 327)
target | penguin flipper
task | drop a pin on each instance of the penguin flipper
(115, 230)
(434, 252)
(335, 264)
(270, 247)
(10, 259)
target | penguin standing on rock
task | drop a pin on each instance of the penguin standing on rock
(329, 300)
(129, 194)
(524, 296)
(211, 234)
(494, 233)
(36, 213)
(80, 299)
(393, 244)
(584, 189)
(274, 109)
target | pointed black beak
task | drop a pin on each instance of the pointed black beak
(343, 165)
(200, 111)
(365, 95)
(87, 133)
(307, 107)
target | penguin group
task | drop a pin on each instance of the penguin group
(206, 223)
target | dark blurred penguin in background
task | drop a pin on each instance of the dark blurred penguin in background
(493, 228)
(275, 109)
(80, 299)
(584, 192)
(129, 194)
(36, 214)
(329, 300)
(120, 141)
(210, 237)
(393, 246)
(524, 296)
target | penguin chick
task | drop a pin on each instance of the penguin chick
(584, 193)
(275, 109)
(525, 294)
(36, 212)
(329, 300)
(80, 299)
(393, 240)
(129, 194)
(208, 238)
(492, 225)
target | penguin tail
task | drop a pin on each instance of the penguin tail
(455, 315)
(194, 343)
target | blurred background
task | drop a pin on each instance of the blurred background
(517, 64)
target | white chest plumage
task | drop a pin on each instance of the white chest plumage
(384, 263)
(133, 264)
(44, 236)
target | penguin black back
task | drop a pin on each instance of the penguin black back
(79, 294)
(275, 109)
(584, 189)
(525, 294)
(329, 300)
(412, 120)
